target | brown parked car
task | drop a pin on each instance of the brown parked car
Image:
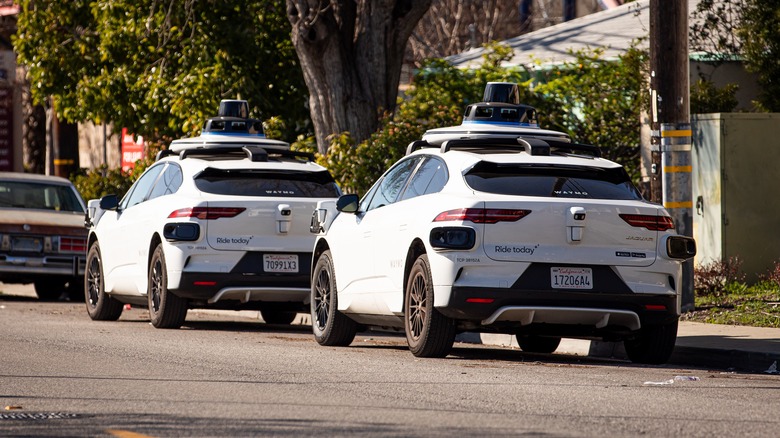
(42, 235)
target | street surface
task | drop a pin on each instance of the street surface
(223, 374)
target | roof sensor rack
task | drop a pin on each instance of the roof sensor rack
(529, 145)
(254, 153)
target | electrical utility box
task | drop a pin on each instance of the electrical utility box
(736, 189)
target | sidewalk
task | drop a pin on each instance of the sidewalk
(712, 346)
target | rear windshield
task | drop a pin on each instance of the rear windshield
(291, 184)
(39, 196)
(552, 181)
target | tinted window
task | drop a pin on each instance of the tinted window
(169, 181)
(393, 183)
(39, 196)
(141, 187)
(429, 178)
(552, 181)
(280, 183)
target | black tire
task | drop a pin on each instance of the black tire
(100, 305)
(428, 332)
(271, 316)
(538, 344)
(166, 310)
(50, 289)
(654, 344)
(331, 327)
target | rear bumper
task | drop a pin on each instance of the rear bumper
(26, 269)
(541, 310)
(215, 288)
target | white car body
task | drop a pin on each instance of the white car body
(255, 252)
(623, 277)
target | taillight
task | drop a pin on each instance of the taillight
(207, 213)
(73, 244)
(482, 215)
(652, 223)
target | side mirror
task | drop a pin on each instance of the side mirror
(348, 203)
(109, 202)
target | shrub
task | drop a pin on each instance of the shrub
(718, 277)
(102, 181)
(772, 275)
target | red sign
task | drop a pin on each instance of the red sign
(132, 150)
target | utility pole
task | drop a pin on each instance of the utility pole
(670, 119)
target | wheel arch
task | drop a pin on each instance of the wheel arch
(156, 240)
(92, 238)
(416, 249)
(320, 247)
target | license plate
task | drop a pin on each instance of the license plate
(33, 244)
(280, 263)
(571, 278)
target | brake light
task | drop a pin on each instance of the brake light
(652, 223)
(73, 244)
(480, 300)
(482, 215)
(207, 213)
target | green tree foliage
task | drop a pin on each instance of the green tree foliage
(707, 98)
(760, 33)
(160, 68)
(593, 100)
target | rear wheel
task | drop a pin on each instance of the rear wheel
(653, 345)
(166, 310)
(538, 344)
(428, 332)
(49, 289)
(330, 327)
(100, 305)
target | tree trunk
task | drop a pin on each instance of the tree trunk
(351, 53)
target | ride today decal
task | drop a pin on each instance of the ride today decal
(512, 251)
(233, 241)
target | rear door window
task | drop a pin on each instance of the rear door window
(393, 183)
(553, 181)
(169, 182)
(271, 183)
(430, 177)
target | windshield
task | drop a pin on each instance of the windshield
(556, 181)
(39, 196)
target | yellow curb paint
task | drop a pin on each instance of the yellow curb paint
(126, 434)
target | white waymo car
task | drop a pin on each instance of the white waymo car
(219, 221)
(499, 226)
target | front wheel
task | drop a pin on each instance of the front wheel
(653, 345)
(330, 327)
(166, 310)
(428, 332)
(100, 305)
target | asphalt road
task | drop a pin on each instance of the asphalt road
(64, 375)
